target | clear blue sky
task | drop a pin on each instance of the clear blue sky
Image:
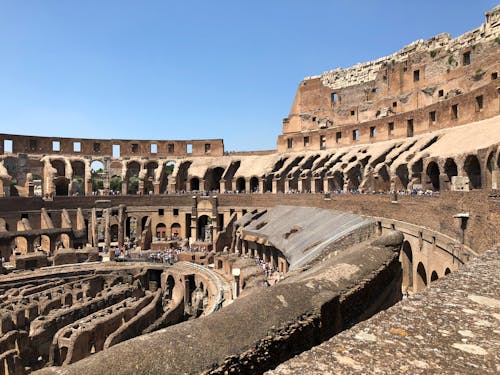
(192, 69)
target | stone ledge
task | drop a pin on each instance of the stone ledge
(451, 327)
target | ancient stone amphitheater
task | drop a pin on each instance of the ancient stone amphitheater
(368, 242)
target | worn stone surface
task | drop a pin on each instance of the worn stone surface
(450, 328)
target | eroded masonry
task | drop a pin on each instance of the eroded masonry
(168, 256)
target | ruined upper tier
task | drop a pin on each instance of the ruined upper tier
(428, 85)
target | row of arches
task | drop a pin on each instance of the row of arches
(313, 173)
(416, 277)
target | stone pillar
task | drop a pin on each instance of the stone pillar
(171, 184)
(275, 185)
(326, 185)
(187, 296)
(194, 218)
(202, 184)
(233, 184)
(495, 179)
(222, 186)
(300, 185)
(93, 228)
(141, 186)
(124, 187)
(122, 219)
(156, 187)
(287, 184)
(107, 234)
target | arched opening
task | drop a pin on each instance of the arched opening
(212, 178)
(421, 281)
(447, 271)
(62, 186)
(450, 169)
(150, 177)
(204, 233)
(354, 175)
(131, 228)
(434, 276)
(473, 170)
(417, 169)
(337, 182)
(433, 175)
(20, 245)
(175, 231)
(168, 169)
(268, 184)
(63, 241)
(195, 184)
(240, 184)
(170, 286)
(115, 184)
(182, 175)
(113, 233)
(60, 167)
(132, 177)
(42, 243)
(78, 182)
(254, 184)
(161, 231)
(406, 259)
(402, 174)
(98, 175)
(144, 220)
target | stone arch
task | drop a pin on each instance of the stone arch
(355, 175)
(132, 177)
(337, 181)
(144, 221)
(78, 178)
(42, 242)
(97, 172)
(21, 245)
(450, 169)
(447, 271)
(175, 231)
(170, 286)
(194, 183)
(203, 222)
(63, 241)
(149, 179)
(161, 231)
(168, 169)
(240, 184)
(490, 167)
(115, 183)
(60, 167)
(268, 183)
(182, 175)
(421, 277)
(406, 259)
(432, 172)
(473, 170)
(213, 177)
(403, 176)
(254, 184)
(434, 276)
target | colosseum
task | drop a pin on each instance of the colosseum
(367, 242)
